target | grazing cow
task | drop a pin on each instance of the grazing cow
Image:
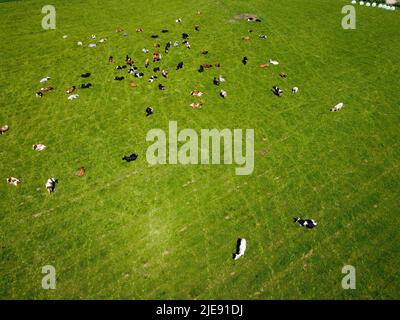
(277, 91)
(246, 38)
(201, 69)
(80, 172)
(146, 62)
(178, 20)
(130, 158)
(157, 45)
(241, 247)
(295, 90)
(119, 78)
(73, 96)
(85, 75)
(196, 105)
(337, 107)
(164, 30)
(119, 30)
(185, 36)
(139, 75)
(156, 69)
(85, 85)
(13, 181)
(120, 67)
(132, 84)
(132, 69)
(216, 81)
(161, 87)
(206, 66)
(197, 28)
(155, 36)
(39, 147)
(176, 43)
(145, 50)
(149, 111)
(152, 78)
(308, 223)
(165, 73)
(223, 94)
(179, 65)
(187, 45)
(221, 78)
(91, 45)
(130, 62)
(51, 184)
(139, 30)
(196, 93)
(264, 65)
(45, 79)
(258, 20)
(79, 43)
(262, 36)
(218, 65)
(204, 52)
(71, 89)
(39, 94)
(110, 59)
(167, 46)
(4, 129)
(46, 89)
(103, 40)
(244, 60)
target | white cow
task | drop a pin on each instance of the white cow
(273, 62)
(45, 79)
(73, 96)
(337, 107)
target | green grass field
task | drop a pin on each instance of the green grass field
(135, 231)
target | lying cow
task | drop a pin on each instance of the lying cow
(308, 223)
(4, 129)
(46, 89)
(196, 93)
(85, 85)
(240, 249)
(337, 107)
(71, 89)
(39, 147)
(130, 158)
(149, 111)
(13, 181)
(277, 91)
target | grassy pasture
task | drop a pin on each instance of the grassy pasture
(134, 231)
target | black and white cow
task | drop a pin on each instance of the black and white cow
(308, 223)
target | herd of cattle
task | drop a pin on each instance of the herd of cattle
(132, 69)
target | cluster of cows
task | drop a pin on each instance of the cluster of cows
(132, 69)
